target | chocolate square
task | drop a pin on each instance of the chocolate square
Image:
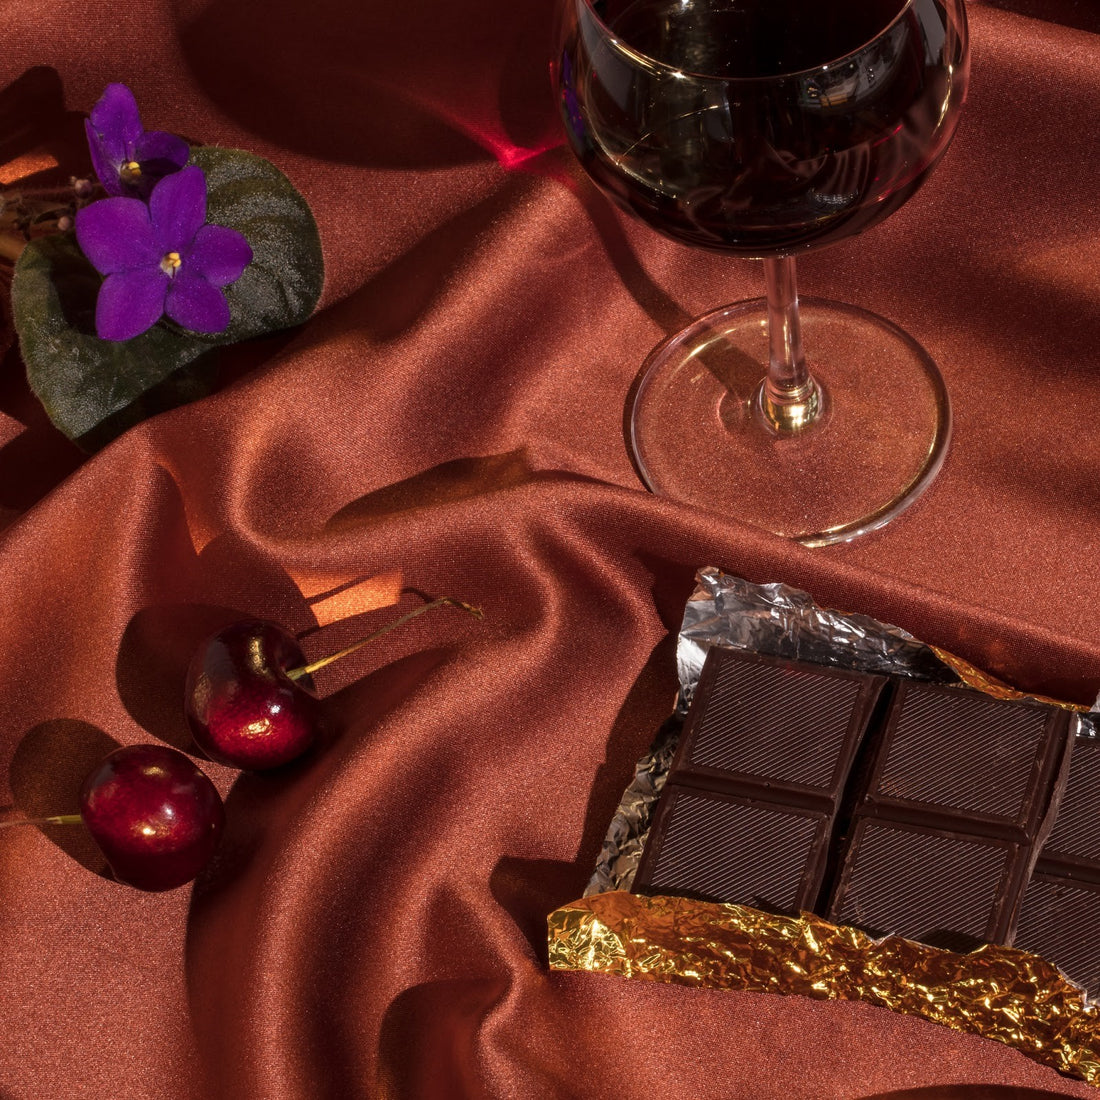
(766, 727)
(1061, 907)
(751, 801)
(964, 759)
(950, 890)
(719, 847)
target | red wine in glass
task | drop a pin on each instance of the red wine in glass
(763, 128)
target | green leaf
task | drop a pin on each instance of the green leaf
(281, 286)
(94, 389)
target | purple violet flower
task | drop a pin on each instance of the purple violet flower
(128, 159)
(161, 259)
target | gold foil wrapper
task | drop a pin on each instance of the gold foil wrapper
(982, 681)
(997, 992)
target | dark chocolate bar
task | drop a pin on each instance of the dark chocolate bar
(751, 805)
(895, 806)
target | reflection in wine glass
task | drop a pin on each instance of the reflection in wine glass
(763, 128)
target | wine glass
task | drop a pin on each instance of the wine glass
(762, 128)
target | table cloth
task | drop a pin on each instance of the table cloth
(374, 924)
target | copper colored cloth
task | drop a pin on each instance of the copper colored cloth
(375, 925)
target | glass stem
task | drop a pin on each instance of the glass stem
(790, 399)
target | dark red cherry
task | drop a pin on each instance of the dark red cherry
(242, 705)
(155, 815)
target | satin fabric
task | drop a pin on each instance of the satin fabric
(375, 922)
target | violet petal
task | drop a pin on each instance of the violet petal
(196, 305)
(116, 119)
(177, 208)
(219, 254)
(130, 302)
(160, 153)
(104, 166)
(117, 235)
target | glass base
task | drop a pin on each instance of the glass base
(880, 435)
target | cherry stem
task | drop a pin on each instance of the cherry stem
(58, 819)
(324, 662)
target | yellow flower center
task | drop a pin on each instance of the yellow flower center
(170, 263)
(130, 171)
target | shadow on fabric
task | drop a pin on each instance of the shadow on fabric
(386, 85)
(33, 119)
(529, 889)
(37, 135)
(38, 458)
(160, 639)
(447, 483)
(46, 773)
(151, 669)
(429, 1039)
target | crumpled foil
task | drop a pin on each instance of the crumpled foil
(997, 992)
